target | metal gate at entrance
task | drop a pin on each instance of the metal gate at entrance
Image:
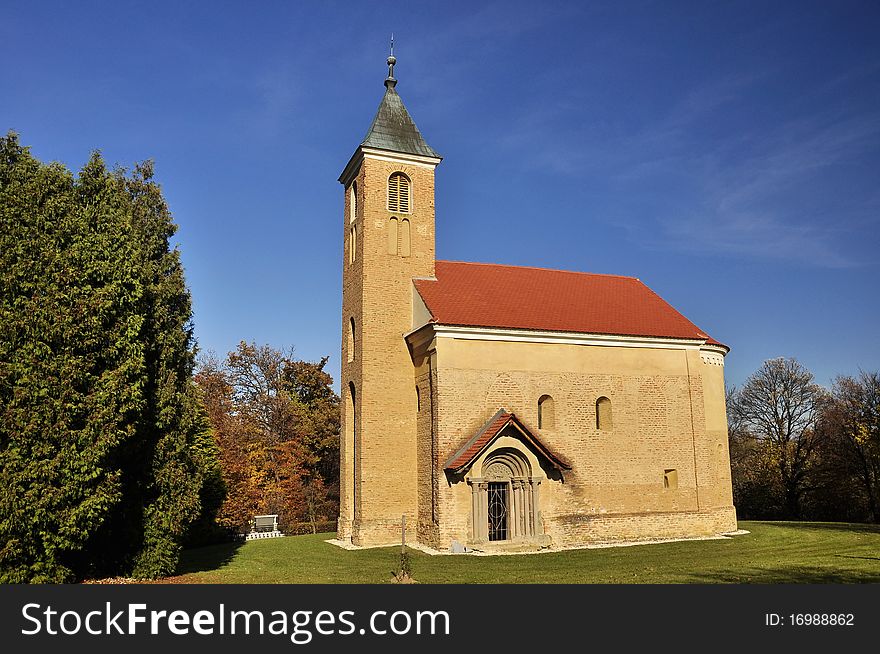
(505, 501)
(498, 510)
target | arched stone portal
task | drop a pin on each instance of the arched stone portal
(505, 499)
(505, 479)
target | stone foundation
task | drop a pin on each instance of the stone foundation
(573, 530)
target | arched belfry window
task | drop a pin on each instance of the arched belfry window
(603, 414)
(352, 202)
(546, 413)
(399, 188)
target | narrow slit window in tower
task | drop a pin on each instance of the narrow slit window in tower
(393, 228)
(404, 238)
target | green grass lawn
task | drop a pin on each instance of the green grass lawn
(774, 552)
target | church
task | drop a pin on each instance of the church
(504, 407)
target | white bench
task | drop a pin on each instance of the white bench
(264, 526)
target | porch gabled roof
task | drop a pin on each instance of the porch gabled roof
(464, 456)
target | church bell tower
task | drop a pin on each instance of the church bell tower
(388, 228)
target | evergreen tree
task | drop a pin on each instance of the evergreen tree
(103, 456)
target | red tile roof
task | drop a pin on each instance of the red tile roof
(515, 297)
(467, 453)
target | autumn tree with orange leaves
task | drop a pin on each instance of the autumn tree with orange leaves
(276, 422)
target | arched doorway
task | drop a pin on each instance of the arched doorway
(505, 498)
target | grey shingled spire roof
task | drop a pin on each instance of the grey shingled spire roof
(392, 128)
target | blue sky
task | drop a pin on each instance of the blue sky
(728, 154)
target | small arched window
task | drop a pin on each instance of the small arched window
(405, 245)
(399, 239)
(393, 229)
(603, 414)
(352, 202)
(418, 399)
(351, 340)
(399, 193)
(546, 413)
(352, 244)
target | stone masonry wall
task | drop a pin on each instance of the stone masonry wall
(615, 489)
(379, 462)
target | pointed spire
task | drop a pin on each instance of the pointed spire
(393, 129)
(390, 82)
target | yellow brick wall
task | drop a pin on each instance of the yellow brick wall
(427, 452)
(377, 292)
(615, 488)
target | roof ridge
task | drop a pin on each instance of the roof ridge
(570, 272)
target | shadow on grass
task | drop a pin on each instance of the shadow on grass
(788, 575)
(844, 527)
(208, 558)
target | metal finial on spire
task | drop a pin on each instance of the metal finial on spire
(390, 82)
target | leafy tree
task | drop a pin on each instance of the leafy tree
(757, 492)
(206, 454)
(102, 452)
(276, 420)
(854, 419)
(318, 420)
(237, 472)
(779, 407)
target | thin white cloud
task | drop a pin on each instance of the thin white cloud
(800, 149)
(737, 193)
(751, 234)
